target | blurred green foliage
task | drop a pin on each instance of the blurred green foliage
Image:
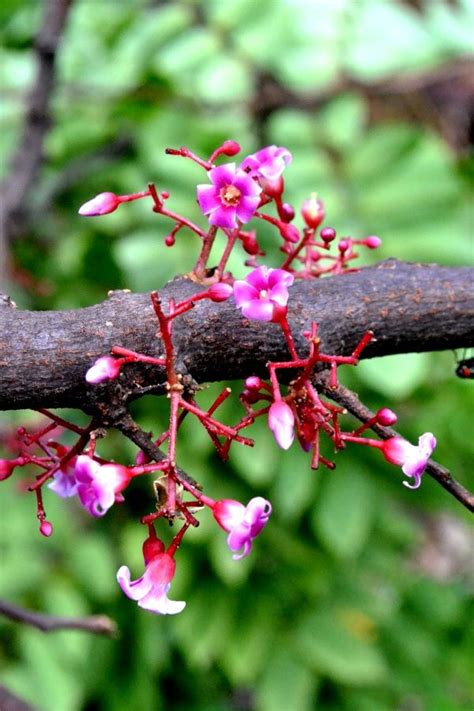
(355, 597)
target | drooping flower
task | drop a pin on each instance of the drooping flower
(99, 486)
(104, 368)
(267, 163)
(281, 421)
(263, 293)
(233, 196)
(413, 460)
(151, 590)
(243, 523)
(101, 204)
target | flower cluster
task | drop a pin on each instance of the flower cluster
(235, 194)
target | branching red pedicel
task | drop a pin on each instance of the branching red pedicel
(233, 196)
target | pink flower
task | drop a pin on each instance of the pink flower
(267, 163)
(243, 523)
(413, 460)
(151, 590)
(263, 293)
(101, 204)
(64, 482)
(99, 485)
(233, 196)
(281, 421)
(104, 368)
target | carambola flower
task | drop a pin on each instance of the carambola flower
(243, 523)
(151, 590)
(99, 486)
(64, 482)
(267, 163)
(263, 294)
(413, 460)
(233, 196)
(101, 204)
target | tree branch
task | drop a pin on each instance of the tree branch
(349, 400)
(96, 624)
(409, 307)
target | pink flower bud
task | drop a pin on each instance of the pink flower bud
(373, 242)
(386, 417)
(281, 421)
(273, 187)
(220, 291)
(101, 204)
(46, 528)
(230, 148)
(313, 211)
(152, 547)
(328, 234)
(105, 368)
(288, 212)
(289, 233)
(250, 244)
(253, 382)
(6, 468)
(344, 245)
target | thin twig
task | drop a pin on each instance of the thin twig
(96, 624)
(349, 400)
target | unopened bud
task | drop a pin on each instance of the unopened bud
(328, 234)
(289, 233)
(253, 382)
(343, 245)
(313, 211)
(372, 242)
(220, 291)
(386, 417)
(228, 148)
(287, 212)
(273, 188)
(46, 528)
(105, 368)
(6, 468)
(101, 204)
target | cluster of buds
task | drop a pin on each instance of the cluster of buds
(234, 195)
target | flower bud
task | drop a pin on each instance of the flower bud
(289, 233)
(46, 528)
(344, 245)
(253, 382)
(6, 468)
(250, 244)
(287, 212)
(372, 242)
(281, 421)
(220, 291)
(386, 417)
(101, 204)
(152, 547)
(328, 234)
(105, 368)
(313, 211)
(230, 148)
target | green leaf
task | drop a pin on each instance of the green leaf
(286, 684)
(343, 514)
(329, 645)
(397, 376)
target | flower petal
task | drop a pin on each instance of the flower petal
(223, 175)
(208, 198)
(224, 217)
(135, 589)
(258, 310)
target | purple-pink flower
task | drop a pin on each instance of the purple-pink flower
(233, 196)
(267, 163)
(99, 486)
(151, 590)
(243, 523)
(64, 482)
(281, 421)
(104, 368)
(263, 293)
(413, 460)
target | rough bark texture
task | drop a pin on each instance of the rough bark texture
(409, 307)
